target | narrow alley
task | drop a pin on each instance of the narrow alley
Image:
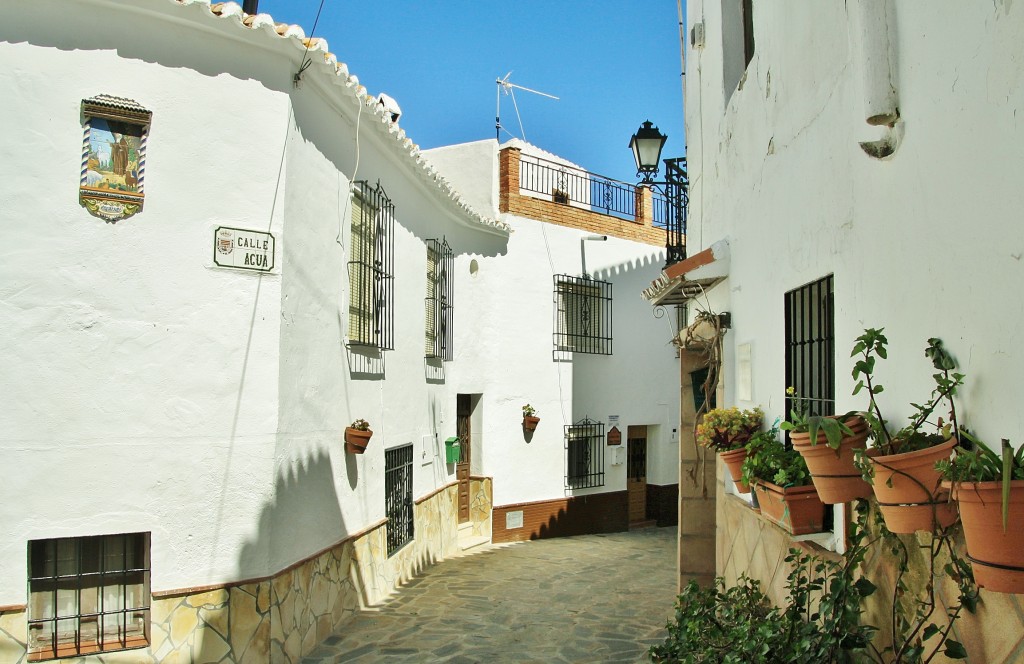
(593, 598)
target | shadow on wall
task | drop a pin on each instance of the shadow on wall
(656, 258)
(606, 512)
(282, 617)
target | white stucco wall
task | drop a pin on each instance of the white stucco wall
(147, 390)
(504, 347)
(923, 243)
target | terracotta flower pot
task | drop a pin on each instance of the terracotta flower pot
(997, 556)
(798, 510)
(907, 489)
(530, 422)
(835, 477)
(356, 440)
(734, 462)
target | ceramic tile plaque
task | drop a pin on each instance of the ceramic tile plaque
(113, 157)
(243, 249)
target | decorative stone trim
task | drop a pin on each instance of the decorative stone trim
(284, 617)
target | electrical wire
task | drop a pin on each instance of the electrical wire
(306, 62)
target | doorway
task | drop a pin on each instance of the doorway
(464, 429)
(636, 472)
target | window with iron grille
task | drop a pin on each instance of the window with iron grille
(371, 305)
(810, 345)
(88, 595)
(583, 315)
(584, 446)
(398, 496)
(439, 300)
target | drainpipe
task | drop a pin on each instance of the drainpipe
(583, 254)
(251, 6)
(873, 49)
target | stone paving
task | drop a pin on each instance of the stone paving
(593, 598)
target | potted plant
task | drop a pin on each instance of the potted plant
(900, 466)
(828, 444)
(989, 488)
(783, 484)
(727, 430)
(530, 419)
(357, 436)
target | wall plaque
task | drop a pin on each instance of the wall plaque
(614, 436)
(113, 157)
(243, 249)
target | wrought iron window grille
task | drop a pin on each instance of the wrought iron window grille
(88, 595)
(583, 316)
(584, 454)
(440, 296)
(398, 505)
(371, 268)
(810, 345)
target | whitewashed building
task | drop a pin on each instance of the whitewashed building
(216, 258)
(854, 165)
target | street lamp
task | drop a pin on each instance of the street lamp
(646, 145)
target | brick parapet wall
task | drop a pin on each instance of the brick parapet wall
(530, 207)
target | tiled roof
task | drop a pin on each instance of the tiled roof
(263, 26)
(690, 278)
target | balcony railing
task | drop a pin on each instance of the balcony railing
(573, 186)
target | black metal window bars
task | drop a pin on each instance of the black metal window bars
(371, 270)
(583, 316)
(810, 345)
(440, 296)
(88, 595)
(398, 505)
(584, 454)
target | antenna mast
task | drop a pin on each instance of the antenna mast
(509, 89)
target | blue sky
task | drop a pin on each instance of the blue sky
(612, 64)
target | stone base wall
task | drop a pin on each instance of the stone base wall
(481, 496)
(282, 618)
(748, 543)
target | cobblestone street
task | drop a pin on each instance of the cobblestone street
(593, 598)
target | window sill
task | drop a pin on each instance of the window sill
(86, 648)
(826, 541)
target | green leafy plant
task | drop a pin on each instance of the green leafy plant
(726, 429)
(360, 425)
(872, 345)
(917, 617)
(769, 460)
(976, 462)
(802, 419)
(820, 621)
(529, 411)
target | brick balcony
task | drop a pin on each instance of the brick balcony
(564, 207)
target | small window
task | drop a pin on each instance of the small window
(88, 595)
(810, 345)
(398, 497)
(584, 445)
(583, 316)
(439, 300)
(748, 31)
(371, 306)
(737, 42)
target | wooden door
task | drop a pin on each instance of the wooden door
(636, 472)
(464, 408)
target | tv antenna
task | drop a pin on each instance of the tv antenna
(510, 89)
